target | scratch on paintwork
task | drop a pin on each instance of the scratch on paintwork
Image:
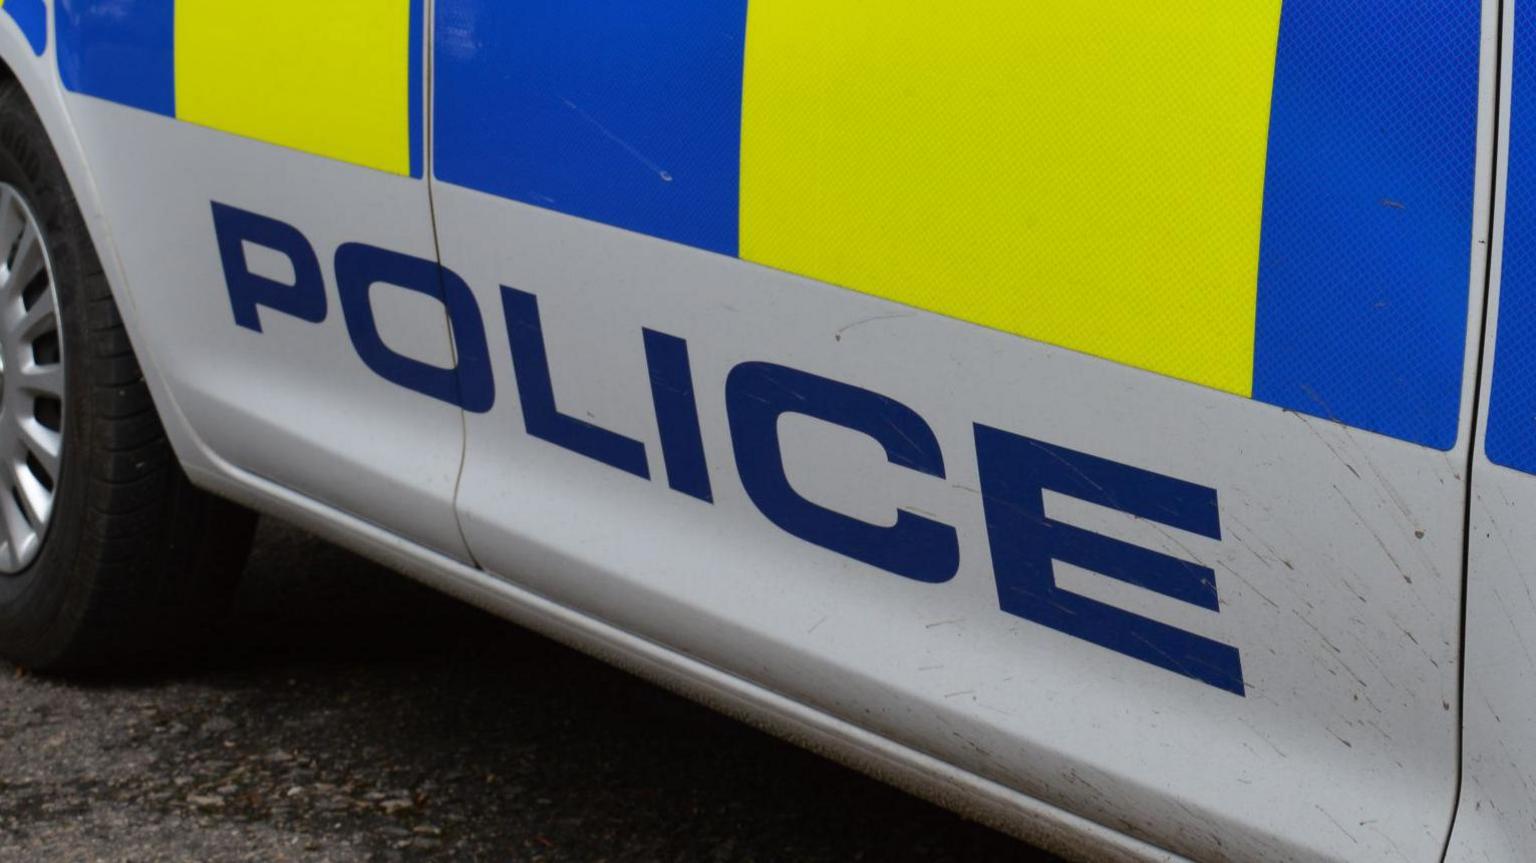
(1239, 576)
(944, 622)
(1069, 465)
(1336, 823)
(1406, 518)
(1318, 400)
(1515, 628)
(1306, 421)
(1374, 535)
(1074, 776)
(640, 157)
(1371, 826)
(1530, 599)
(902, 433)
(1174, 661)
(983, 751)
(1385, 734)
(817, 624)
(1167, 533)
(1348, 585)
(838, 336)
(1249, 535)
(1265, 737)
(1310, 625)
(1384, 482)
(1339, 654)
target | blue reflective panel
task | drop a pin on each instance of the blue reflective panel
(621, 112)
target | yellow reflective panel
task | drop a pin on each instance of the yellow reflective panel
(329, 78)
(1085, 174)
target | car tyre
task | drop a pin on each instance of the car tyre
(128, 562)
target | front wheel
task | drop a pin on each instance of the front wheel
(108, 555)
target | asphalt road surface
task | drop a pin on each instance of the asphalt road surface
(347, 714)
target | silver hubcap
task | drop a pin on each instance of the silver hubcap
(31, 385)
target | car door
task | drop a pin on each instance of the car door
(261, 166)
(1075, 394)
(1496, 819)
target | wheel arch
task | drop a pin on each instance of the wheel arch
(38, 78)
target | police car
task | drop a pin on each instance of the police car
(1114, 421)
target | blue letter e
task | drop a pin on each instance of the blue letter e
(1016, 471)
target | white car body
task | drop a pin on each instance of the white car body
(1376, 587)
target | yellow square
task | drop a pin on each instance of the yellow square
(330, 78)
(1085, 174)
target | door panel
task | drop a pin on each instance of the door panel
(239, 150)
(1101, 431)
(1497, 816)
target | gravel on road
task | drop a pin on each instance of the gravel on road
(348, 714)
